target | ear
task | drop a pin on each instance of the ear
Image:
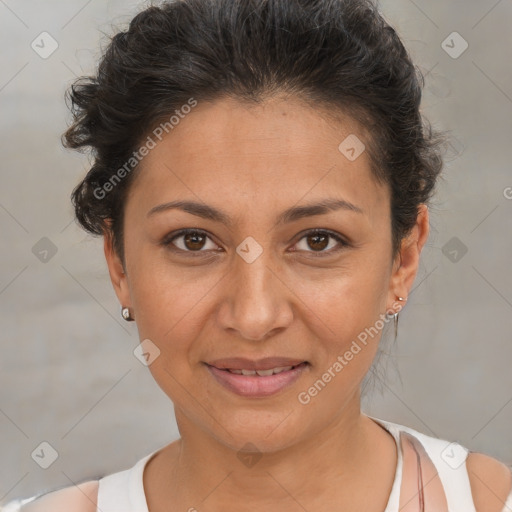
(116, 270)
(405, 265)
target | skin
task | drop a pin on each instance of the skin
(254, 163)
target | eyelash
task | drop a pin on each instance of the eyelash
(168, 241)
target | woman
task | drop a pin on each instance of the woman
(261, 178)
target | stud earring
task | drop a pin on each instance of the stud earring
(125, 313)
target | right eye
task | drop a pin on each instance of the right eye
(190, 241)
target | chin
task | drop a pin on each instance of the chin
(267, 431)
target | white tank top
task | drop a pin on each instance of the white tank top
(420, 459)
(430, 476)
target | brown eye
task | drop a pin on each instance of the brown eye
(190, 240)
(194, 241)
(319, 240)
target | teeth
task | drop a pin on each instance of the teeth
(262, 373)
(281, 369)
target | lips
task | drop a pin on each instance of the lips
(257, 378)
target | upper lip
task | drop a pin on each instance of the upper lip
(267, 363)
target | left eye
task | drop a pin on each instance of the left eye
(318, 240)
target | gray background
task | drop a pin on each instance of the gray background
(68, 373)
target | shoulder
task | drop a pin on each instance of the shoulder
(77, 498)
(491, 482)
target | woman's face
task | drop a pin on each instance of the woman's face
(254, 282)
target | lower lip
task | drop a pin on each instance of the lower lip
(254, 385)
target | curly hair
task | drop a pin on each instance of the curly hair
(339, 56)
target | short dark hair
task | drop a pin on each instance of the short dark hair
(340, 56)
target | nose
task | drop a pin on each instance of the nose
(256, 303)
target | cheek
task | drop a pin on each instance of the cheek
(348, 299)
(168, 310)
(165, 307)
(172, 306)
(353, 320)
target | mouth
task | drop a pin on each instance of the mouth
(262, 373)
(257, 378)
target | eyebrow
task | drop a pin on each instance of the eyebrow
(290, 215)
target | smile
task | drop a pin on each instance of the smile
(261, 373)
(257, 382)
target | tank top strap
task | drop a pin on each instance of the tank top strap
(449, 460)
(393, 504)
(124, 491)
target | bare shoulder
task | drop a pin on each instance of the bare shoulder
(77, 498)
(491, 482)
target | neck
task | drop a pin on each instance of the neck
(336, 461)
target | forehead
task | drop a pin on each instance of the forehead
(277, 152)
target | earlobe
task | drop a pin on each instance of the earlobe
(407, 261)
